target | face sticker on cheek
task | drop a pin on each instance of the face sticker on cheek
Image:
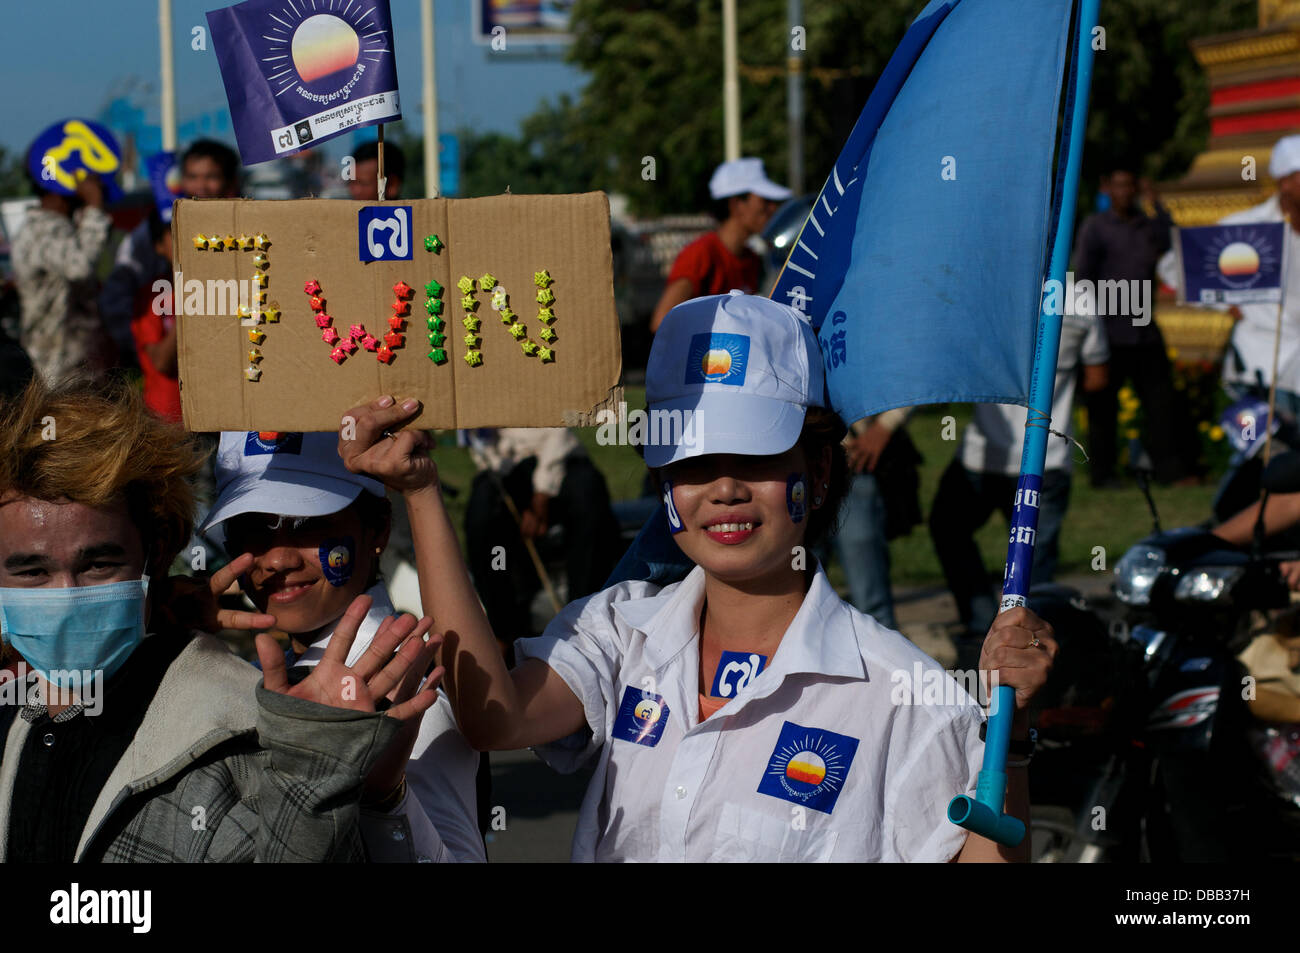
(796, 493)
(336, 559)
(675, 524)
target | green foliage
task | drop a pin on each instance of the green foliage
(13, 175)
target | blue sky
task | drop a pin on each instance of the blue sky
(70, 57)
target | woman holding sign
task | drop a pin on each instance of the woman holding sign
(747, 712)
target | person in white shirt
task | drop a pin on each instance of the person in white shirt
(316, 532)
(1249, 361)
(982, 477)
(747, 712)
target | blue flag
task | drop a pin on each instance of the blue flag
(1231, 264)
(299, 72)
(922, 261)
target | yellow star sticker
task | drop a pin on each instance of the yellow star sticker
(261, 242)
(200, 242)
(244, 241)
(272, 315)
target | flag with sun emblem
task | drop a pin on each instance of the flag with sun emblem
(1231, 264)
(299, 72)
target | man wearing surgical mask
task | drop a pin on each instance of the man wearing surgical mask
(125, 737)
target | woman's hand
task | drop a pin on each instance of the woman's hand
(1011, 652)
(371, 442)
(194, 603)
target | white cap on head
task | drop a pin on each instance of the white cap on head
(742, 176)
(741, 369)
(1285, 158)
(287, 474)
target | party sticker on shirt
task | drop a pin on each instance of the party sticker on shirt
(808, 766)
(641, 717)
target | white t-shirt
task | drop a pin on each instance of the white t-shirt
(817, 758)
(1255, 333)
(442, 767)
(995, 439)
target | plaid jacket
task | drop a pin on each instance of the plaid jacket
(223, 770)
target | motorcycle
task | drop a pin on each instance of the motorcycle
(1143, 752)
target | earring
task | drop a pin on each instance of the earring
(379, 550)
(817, 501)
(826, 486)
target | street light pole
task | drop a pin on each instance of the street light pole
(730, 81)
(794, 97)
(432, 167)
(167, 76)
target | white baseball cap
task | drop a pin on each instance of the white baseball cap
(746, 369)
(1285, 157)
(287, 474)
(741, 176)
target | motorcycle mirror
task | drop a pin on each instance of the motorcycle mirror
(1282, 475)
(1139, 461)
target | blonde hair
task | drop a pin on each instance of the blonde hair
(94, 443)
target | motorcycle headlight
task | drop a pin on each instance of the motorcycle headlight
(1208, 585)
(1136, 572)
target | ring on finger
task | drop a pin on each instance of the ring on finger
(1033, 642)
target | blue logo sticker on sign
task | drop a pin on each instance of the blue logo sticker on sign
(808, 766)
(641, 717)
(735, 671)
(384, 233)
(717, 359)
(268, 442)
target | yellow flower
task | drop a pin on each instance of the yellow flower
(1126, 393)
(1216, 433)
(1203, 426)
(1173, 353)
(1131, 433)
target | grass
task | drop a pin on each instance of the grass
(1112, 519)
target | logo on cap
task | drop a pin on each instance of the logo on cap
(271, 442)
(716, 358)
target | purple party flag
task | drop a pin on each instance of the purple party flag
(299, 72)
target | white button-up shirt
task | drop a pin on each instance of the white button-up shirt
(820, 757)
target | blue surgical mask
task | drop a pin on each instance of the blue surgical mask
(63, 632)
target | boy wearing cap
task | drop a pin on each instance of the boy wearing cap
(744, 199)
(316, 532)
(746, 713)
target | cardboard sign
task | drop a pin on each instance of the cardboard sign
(512, 238)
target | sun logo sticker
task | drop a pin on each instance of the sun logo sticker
(808, 766)
(717, 359)
(641, 717)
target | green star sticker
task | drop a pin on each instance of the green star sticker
(529, 347)
(466, 284)
(433, 306)
(473, 358)
(518, 331)
(542, 278)
(488, 281)
(471, 339)
(548, 335)
(434, 244)
(433, 289)
(546, 354)
(469, 302)
(471, 323)
(438, 356)
(436, 339)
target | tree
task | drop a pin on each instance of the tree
(13, 175)
(656, 87)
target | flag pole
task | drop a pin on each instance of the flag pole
(379, 164)
(1277, 346)
(983, 814)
